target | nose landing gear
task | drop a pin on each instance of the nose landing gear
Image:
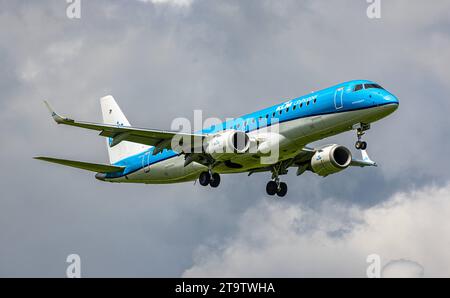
(360, 145)
(360, 131)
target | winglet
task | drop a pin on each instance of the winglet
(58, 119)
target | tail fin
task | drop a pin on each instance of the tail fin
(112, 114)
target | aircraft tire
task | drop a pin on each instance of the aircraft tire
(204, 179)
(271, 188)
(283, 190)
(215, 181)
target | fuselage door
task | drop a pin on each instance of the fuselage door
(146, 162)
(338, 98)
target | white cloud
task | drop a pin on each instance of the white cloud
(402, 269)
(291, 240)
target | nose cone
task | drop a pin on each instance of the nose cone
(390, 98)
(390, 103)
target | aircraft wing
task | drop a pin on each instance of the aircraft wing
(100, 168)
(159, 138)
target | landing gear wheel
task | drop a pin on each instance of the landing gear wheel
(360, 145)
(282, 190)
(215, 180)
(271, 188)
(360, 131)
(363, 145)
(204, 178)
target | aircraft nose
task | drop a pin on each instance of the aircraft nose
(392, 103)
(391, 99)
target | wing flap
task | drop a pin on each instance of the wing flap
(93, 167)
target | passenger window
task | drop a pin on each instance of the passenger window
(273, 115)
(293, 108)
(315, 100)
(307, 103)
(280, 112)
(301, 104)
(287, 110)
(358, 87)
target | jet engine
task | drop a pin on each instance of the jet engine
(330, 159)
(230, 142)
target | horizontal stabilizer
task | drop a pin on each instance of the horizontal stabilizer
(99, 168)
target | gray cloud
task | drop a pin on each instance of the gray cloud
(226, 58)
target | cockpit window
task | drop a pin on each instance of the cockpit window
(358, 87)
(372, 86)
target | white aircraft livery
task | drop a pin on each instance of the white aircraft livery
(270, 140)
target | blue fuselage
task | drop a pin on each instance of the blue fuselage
(343, 99)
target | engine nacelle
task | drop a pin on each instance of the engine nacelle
(331, 159)
(227, 143)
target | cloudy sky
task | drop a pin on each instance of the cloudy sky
(163, 59)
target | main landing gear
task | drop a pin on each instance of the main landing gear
(275, 186)
(360, 131)
(208, 178)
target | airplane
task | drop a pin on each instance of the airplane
(139, 155)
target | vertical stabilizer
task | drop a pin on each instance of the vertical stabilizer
(113, 115)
